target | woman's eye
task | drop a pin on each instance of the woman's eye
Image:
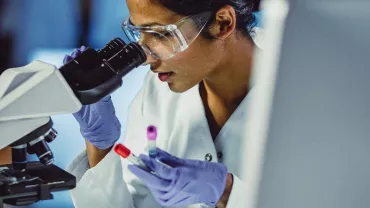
(166, 34)
(157, 36)
(160, 35)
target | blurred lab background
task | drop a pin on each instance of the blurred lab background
(46, 30)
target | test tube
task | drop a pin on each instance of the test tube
(127, 154)
(152, 139)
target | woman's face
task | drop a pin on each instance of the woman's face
(186, 69)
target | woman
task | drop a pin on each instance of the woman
(200, 53)
(5, 156)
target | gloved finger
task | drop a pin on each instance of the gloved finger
(197, 163)
(147, 161)
(83, 48)
(160, 194)
(166, 173)
(76, 53)
(157, 194)
(167, 203)
(67, 59)
(186, 196)
(181, 199)
(152, 181)
(161, 170)
(169, 159)
(181, 182)
(106, 98)
(80, 50)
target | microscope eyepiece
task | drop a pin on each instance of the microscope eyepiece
(95, 74)
(113, 47)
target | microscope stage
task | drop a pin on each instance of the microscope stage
(36, 182)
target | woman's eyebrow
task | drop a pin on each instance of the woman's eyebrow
(149, 24)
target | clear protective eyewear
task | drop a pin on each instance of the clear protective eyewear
(163, 42)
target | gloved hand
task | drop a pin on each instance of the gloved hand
(98, 122)
(74, 54)
(187, 182)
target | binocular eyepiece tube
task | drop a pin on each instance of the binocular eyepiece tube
(92, 75)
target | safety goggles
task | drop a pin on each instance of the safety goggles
(163, 42)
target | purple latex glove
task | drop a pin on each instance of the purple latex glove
(98, 122)
(74, 54)
(187, 182)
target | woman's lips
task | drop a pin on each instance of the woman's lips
(164, 76)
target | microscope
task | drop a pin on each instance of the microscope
(29, 95)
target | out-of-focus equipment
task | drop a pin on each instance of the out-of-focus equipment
(29, 95)
(308, 139)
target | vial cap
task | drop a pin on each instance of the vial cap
(122, 150)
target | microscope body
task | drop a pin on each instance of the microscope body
(30, 95)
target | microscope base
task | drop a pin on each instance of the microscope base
(35, 183)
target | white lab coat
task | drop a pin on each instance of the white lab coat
(182, 131)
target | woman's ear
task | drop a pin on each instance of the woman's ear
(224, 23)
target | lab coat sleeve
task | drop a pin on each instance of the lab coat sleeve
(110, 183)
(101, 186)
(237, 192)
(79, 165)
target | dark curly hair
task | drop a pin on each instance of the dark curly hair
(245, 20)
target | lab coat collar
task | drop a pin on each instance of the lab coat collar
(200, 114)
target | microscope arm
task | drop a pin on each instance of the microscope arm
(29, 95)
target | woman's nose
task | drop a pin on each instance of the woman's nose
(149, 57)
